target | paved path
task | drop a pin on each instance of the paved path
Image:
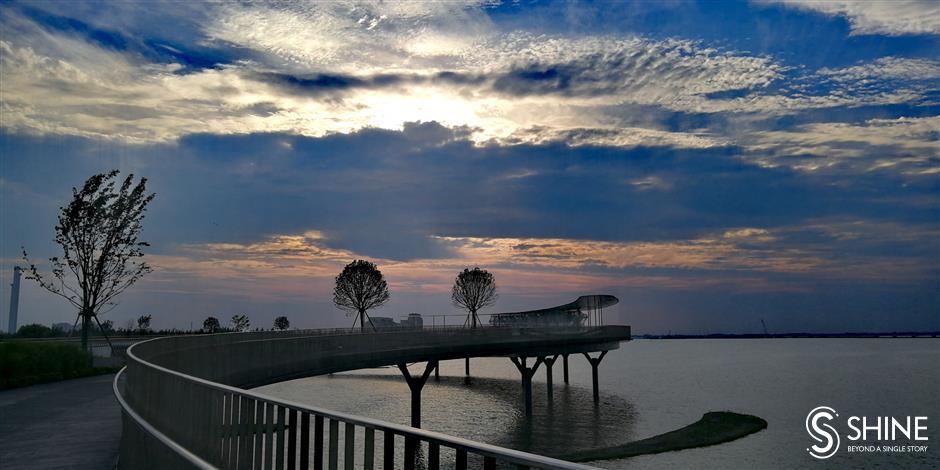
(70, 424)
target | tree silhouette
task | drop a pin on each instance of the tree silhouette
(143, 322)
(34, 330)
(101, 254)
(360, 288)
(281, 323)
(240, 323)
(211, 325)
(473, 290)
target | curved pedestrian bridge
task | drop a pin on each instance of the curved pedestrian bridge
(187, 404)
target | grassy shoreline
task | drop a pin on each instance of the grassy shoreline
(715, 427)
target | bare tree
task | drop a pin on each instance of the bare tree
(281, 323)
(102, 256)
(474, 289)
(360, 288)
(240, 323)
(211, 325)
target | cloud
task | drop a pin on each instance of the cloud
(886, 68)
(897, 17)
(910, 145)
(280, 68)
(799, 260)
(61, 81)
(714, 253)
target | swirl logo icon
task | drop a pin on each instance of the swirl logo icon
(826, 437)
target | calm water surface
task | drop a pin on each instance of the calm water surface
(653, 386)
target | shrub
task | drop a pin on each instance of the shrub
(27, 363)
(35, 330)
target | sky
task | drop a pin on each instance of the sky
(712, 164)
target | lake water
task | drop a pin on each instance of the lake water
(649, 387)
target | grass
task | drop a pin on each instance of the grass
(715, 427)
(27, 363)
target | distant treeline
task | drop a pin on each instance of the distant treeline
(36, 330)
(895, 334)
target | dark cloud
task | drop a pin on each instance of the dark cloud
(383, 192)
(165, 46)
(324, 83)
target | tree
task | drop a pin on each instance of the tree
(101, 255)
(107, 326)
(211, 325)
(281, 323)
(143, 322)
(34, 330)
(473, 290)
(240, 323)
(360, 288)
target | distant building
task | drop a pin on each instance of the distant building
(383, 322)
(413, 321)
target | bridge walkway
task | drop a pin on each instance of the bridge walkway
(74, 424)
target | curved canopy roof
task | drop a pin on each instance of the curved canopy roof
(585, 302)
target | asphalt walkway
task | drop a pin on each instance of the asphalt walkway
(70, 424)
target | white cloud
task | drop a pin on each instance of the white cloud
(889, 17)
(909, 144)
(607, 136)
(507, 87)
(886, 68)
(61, 83)
(883, 81)
(362, 37)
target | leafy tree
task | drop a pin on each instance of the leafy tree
(360, 288)
(101, 254)
(281, 323)
(473, 290)
(143, 323)
(240, 323)
(211, 325)
(34, 330)
(107, 326)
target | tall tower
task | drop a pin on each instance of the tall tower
(14, 299)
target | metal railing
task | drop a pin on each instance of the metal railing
(180, 411)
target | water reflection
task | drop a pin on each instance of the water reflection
(484, 409)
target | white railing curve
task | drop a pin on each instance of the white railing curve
(183, 407)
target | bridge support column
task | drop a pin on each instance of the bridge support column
(595, 362)
(549, 365)
(527, 373)
(564, 362)
(437, 372)
(416, 383)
